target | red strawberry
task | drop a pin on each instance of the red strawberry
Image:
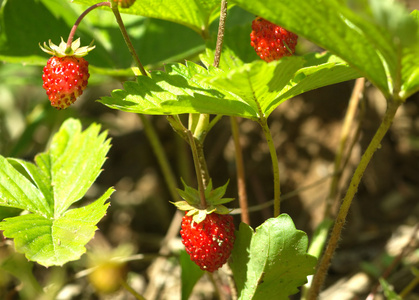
(124, 3)
(210, 242)
(66, 73)
(271, 42)
(65, 78)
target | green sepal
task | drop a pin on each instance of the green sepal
(192, 201)
(62, 50)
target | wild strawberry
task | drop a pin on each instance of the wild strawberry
(271, 42)
(124, 3)
(210, 242)
(207, 233)
(66, 73)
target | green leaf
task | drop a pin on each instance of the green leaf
(16, 191)
(175, 91)
(272, 262)
(194, 14)
(190, 275)
(55, 241)
(389, 291)
(51, 234)
(264, 86)
(410, 64)
(249, 91)
(372, 38)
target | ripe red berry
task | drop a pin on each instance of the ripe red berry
(124, 3)
(66, 73)
(210, 242)
(65, 78)
(271, 42)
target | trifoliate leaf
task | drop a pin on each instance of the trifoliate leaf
(51, 233)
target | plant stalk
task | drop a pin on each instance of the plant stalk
(161, 157)
(131, 290)
(241, 183)
(198, 170)
(127, 39)
(375, 143)
(220, 35)
(80, 18)
(275, 167)
(347, 125)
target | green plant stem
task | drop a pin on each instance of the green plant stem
(131, 290)
(241, 183)
(412, 284)
(203, 163)
(275, 168)
(347, 125)
(196, 160)
(199, 124)
(127, 39)
(80, 18)
(324, 263)
(220, 35)
(161, 157)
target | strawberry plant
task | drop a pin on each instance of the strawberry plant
(192, 63)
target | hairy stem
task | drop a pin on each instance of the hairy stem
(127, 39)
(275, 168)
(80, 18)
(220, 35)
(375, 143)
(196, 160)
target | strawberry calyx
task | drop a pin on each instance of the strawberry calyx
(192, 204)
(62, 50)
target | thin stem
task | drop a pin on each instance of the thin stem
(80, 18)
(161, 157)
(220, 35)
(131, 290)
(127, 39)
(406, 249)
(347, 125)
(324, 263)
(410, 287)
(284, 197)
(198, 170)
(241, 183)
(275, 167)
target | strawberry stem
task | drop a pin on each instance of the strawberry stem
(80, 18)
(241, 182)
(199, 178)
(220, 35)
(124, 32)
(275, 168)
(323, 265)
